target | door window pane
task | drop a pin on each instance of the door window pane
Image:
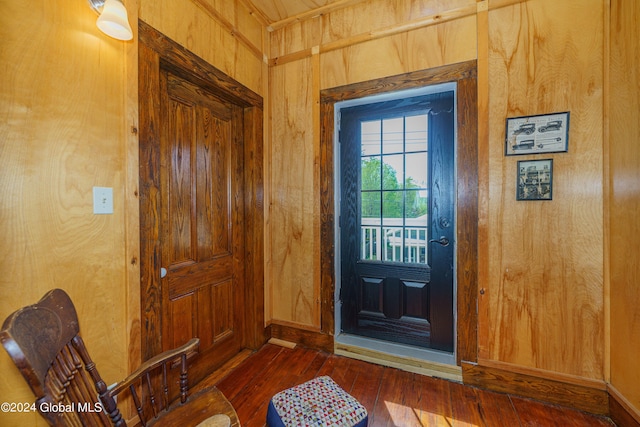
(416, 133)
(415, 244)
(393, 172)
(371, 173)
(393, 243)
(393, 135)
(416, 165)
(394, 199)
(415, 208)
(370, 136)
(392, 207)
(371, 207)
(371, 242)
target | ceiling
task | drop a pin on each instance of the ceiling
(277, 11)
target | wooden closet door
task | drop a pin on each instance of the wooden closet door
(201, 219)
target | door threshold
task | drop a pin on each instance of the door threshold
(407, 358)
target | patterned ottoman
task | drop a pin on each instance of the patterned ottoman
(319, 402)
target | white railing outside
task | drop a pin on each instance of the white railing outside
(387, 244)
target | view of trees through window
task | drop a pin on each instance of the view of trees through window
(394, 198)
(393, 195)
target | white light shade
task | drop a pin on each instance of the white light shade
(114, 21)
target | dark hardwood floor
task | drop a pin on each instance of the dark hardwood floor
(392, 397)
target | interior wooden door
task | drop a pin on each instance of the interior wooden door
(201, 219)
(200, 207)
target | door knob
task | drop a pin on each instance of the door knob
(442, 241)
(163, 272)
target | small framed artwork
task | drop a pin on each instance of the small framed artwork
(545, 133)
(535, 180)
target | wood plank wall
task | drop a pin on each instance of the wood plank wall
(294, 213)
(541, 263)
(69, 117)
(62, 131)
(543, 304)
(624, 205)
(543, 312)
(223, 33)
(294, 91)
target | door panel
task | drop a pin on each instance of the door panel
(441, 162)
(397, 195)
(197, 165)
(201, 220)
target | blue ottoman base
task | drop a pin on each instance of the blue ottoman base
(319, 402)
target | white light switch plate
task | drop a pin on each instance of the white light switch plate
(102, 200)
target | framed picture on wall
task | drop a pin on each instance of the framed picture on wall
(545, 133)
(535, 180)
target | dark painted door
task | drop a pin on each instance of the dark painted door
(397, 220)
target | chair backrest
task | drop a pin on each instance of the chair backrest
(44, 342)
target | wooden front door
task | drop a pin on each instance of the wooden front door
(194, 209)
(397, 220)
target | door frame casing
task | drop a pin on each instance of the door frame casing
(156, 51)
(465, 76)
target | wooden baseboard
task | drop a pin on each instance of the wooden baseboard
(316, 340)
(583, 397)
(621, 411)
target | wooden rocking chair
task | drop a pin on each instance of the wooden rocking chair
(44, 342)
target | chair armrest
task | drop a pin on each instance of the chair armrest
(156, 361)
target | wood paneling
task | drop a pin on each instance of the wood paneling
(292, 11)
(297, 39)
(228, 24)
(305, 337)
(540, 262)
(132, 203)
(254, 180)
(278, 10)
(62, 132)
(624, 199)
(543, 291)
(541, 267)
(364, 20)
(65, 128)
(372, 16)
(294, 208)
(294, 213)
(423, 48)
(220, 32)
(483, 164)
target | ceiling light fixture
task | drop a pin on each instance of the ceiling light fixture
(113, 19)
